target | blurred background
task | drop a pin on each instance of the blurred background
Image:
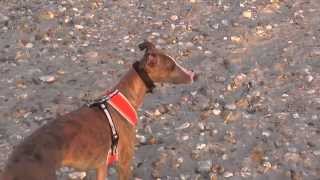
(253, 113)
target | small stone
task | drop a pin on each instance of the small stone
(180, 160)
(224, 157)
(193, 1)
(260, 31)
(92, 54)
(142, 139)
(183, 126)
(189, 44)
(285, 95)
(229, 116)
(47, 15)
(213, 176)
(215, 131)
(204, 166)
(155, 34)
(265, 133)
(231, 106)
(165, 108)
(61, 72)
(216, 112)
(161, 41)
(120, 62)
(207, 52)
(174, 17)
(173, 26)
(77, 175)
(225, 22)
(295, 115)
(315, 52)
(215, 26)
(157, 112)
(235, 39)
(317, 100)
(201, 126)
(269, 27)
(247, 14)
(184, 138)
(317, 152)
(314, 117)
(200, 146)
(29, 45)
(227, 174)
(245, 172)
(78, 26)
(267, 166)
(3, 18)
(217, 169)
(193, 93)
(238, 81)
(50, 14)
(311, 91)
(184, 177)
(310, 78)
(48, 78)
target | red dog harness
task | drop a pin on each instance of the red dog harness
(121, 104)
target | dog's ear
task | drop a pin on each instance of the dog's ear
(146, 45)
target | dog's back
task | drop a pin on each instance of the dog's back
(29, 156)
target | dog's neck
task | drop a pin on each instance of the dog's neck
(132, 86)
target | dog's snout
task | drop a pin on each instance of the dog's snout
(195, 76)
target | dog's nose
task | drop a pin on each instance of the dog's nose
(194, 76)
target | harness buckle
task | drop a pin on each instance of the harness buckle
(115, 140)
(97, 102)
(101, 100)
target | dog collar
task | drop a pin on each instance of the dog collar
(144, 76)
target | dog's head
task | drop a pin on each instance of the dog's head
(162, 68)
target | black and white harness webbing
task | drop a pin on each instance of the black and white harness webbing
(102, 104)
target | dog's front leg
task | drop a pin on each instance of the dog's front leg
(101, 172)
(124, 170)
(125, 162)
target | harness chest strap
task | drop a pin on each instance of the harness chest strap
(121, 104)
